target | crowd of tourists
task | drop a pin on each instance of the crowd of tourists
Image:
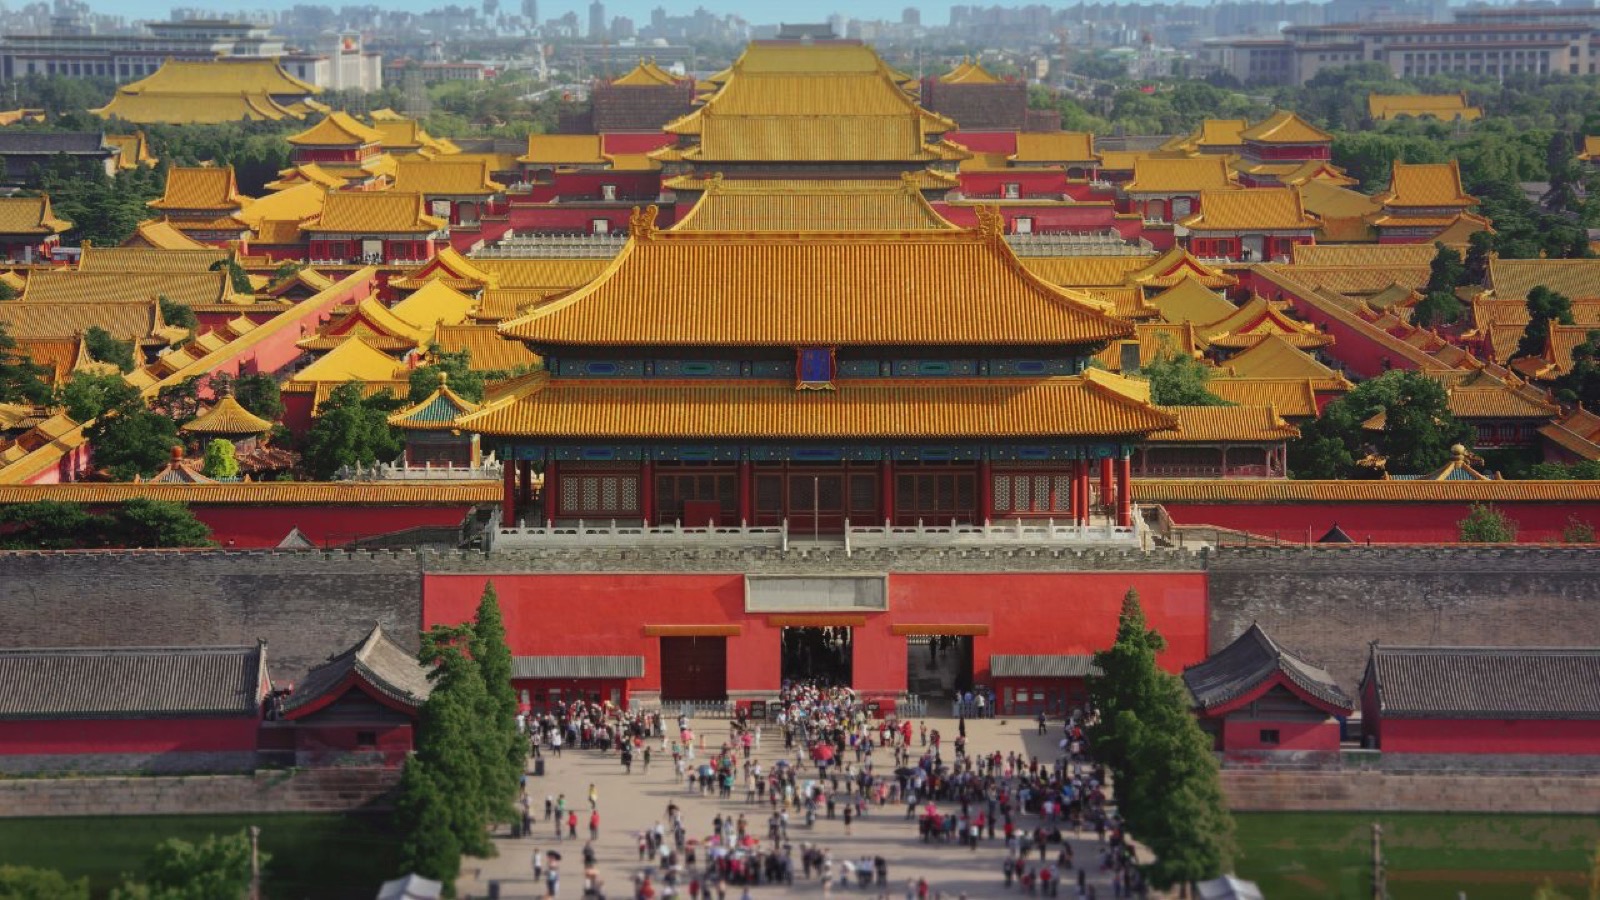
(839, 761)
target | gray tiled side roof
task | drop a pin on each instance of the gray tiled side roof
(1487, 682)
(382, 663)
(1003, 665)
(109, 683)
(1240, 667)
(577, 667)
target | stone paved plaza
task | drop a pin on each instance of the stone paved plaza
(630, 804)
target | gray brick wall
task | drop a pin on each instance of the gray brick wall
(306, 605)
(1330, 604)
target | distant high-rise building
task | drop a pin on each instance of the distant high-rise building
(530, 11)
(911, 16)
(597, 21)
(621, 28)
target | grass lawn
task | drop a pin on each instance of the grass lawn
(1429, 856)
(313, 856)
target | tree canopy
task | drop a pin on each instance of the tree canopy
(139, 522)
(1177, 379)
(351, 430)
(1417, 430)
(217, 867)
(1485, 524)
(21, 379)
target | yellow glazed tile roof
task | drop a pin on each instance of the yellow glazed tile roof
(541, 274)
(307, 173)
(1384, 107)
(158, 234)
(142, 259)
(1188, 175)
(1177, 264)
(1577, 431)
(353, 360)
(1191, 301)
(869, 408)
(799, 205)
(1251, 323)
(1284, 127)
(211, 188)
(499, 304)
(1427, 185)
(336, 130)
(1250, 209)
(784, 57)
(227, 416)
(133, 151)
(969, 71)
(447, 264)
(293, 204)
(193, 109)
(60, 355)
(1372, 256)
(232, 75)
(632, 162)
(1272, 490)
(1235, 424)
(646, 74)
(194, 287)
(1086, 271)
(487, 350)
(402, 134)
(1275, 357)
(1355, 280)
(841, 138)
(1487, 312)
(1576, 279)
(315, 493)
(1057, 147)
(211, 91)
(125, 320)
(364, 212)
(446, 176)
(436, 412)
(434, 304)
(1591, 148)
(564, 150)
(1294, 398)
(30, 216)
(1155, 340)
(720, 288)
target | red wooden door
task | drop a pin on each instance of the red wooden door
(694, 668)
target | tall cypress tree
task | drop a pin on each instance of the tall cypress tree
(505, 755)
(428, 845)
(1125, 683)
(450, 743)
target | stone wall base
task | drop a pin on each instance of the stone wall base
(1263, 791)
(340, 790)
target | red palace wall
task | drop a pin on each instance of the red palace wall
(79, 736)
(986, 141)
(245, 526)
(1046, 219)
(1027, 613)
(1030, 183)
(1383, 523)
(1544, 737)
(635, 141)
(1245, 734)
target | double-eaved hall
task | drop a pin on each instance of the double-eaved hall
(813, 354)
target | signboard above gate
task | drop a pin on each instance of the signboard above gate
(815, 593)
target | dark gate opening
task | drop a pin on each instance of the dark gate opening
(938, 665)
(694, 668)
(823, 655)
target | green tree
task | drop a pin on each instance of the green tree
(493, 657)
(1417, 434)
(425, 815)
(1480, 244)
(49, 525)
(130, 440)
(220, 460)
(179, 314)
(142, 522)
(1446, 271)
(1544, 307)
(179, 402)
(104, 348)
(1485, 524)
(21, 379)
(1582, 383)
(256, 392)
(237, 276)
(451, 739)
(1438, 308)
(89, 394)
(218, 867)
(454, 365)
(1577, 531)
(1177, 379)
(1125, 684)
(350, 430)
(1561, 165)
(27, 883)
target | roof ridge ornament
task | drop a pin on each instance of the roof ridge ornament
(991, 224)
(642, 223)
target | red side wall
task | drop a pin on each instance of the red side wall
(1046, 218)
(1245, 734)
(1383, 523)
(1548, 737)
(74, 736)
(1032, 613)
(244, 526)
(986, 141)
(635, 142)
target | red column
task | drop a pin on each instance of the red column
(985, 491)
(1080, 489)
(552, 490)
(747, 492)
(647, 491)
(1124, 491)
(525, 484)
(508, 502)
(1106, 499)
(887, 490)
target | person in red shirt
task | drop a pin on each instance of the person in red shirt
(572, 824)
(594, 825)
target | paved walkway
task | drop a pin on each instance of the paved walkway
(631, 804)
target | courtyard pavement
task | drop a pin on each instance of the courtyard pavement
(629, 804)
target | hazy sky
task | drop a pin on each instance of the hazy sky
(759, 11)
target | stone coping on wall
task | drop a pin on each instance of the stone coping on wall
(331, 790)
(1370, 791)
